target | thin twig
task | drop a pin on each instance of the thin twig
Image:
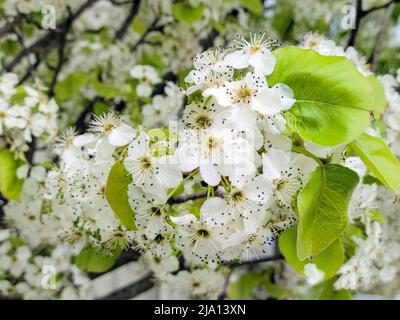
(132, 290)
(61, 49)
(383, 6)
(21, 40)
(353, 34)
(121, 3)
(381, 33)
(30, 153)
(9, 25)
(152, 27)
(188, 197)
(224, 292)
(81, 122)
(208, 42)
(119, 35)
(49, 41)
(360, 14)
(256, 261)
(3, 202)
(29, 71)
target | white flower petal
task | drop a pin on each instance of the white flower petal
(263, 62)
(238, 59)
(274, 163)
(210, 174)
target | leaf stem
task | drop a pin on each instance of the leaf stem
(227, 183)
(307, 153)
(194, 172)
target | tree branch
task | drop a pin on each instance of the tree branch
(128, 20)
(28, 73)
(61, 48)
(208, 42)
(383, 6)
(132, 290)
(3, 202)
(20, 37)
(381, 33)
(251, 262)
(353, 35)
(121, 3)
(9, 25)
(80, 123)
(125, 257)
(51, 40)
(360, 13)
(152, 27)
(185, 198)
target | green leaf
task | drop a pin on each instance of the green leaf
(330, 93)
(10, 185)
(329, 261)
(242, 288)
(105, 90)
(185, 12)
(71, 85)
(254, 6)
(92, 260)
(322, 206)
(379, 99)
(117, 194)
(379, 160)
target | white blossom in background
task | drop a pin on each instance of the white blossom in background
(313, 274)
(216, 193)
(147, 77)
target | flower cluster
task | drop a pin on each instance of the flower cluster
(26, 113)
(34, 273)
(196, 163)
(229, 148)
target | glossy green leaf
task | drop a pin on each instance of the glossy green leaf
(10, 185)
(322, 206)
(92, 260)
(333, 100)
(117, 194)
(329, 261)
(379, 99)
(378, 158)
